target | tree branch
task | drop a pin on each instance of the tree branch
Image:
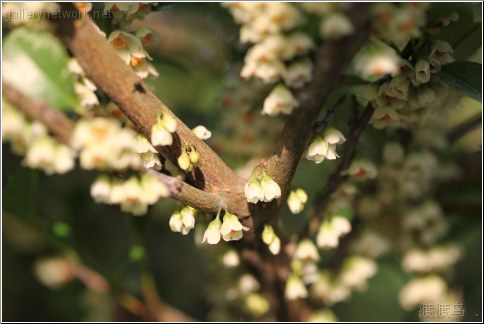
(120, 83)
(463, 128)
(62, 127)
(331, 60)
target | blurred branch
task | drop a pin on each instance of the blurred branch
(121, 84)
(465, 127)
(336, 177)
(62, 127)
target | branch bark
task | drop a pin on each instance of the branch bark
(62, 127)
(120, 83)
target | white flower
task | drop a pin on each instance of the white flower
(429, 289)
(271, 188)
(268, 72)
(231, 228)
(298, 73)
(298, 43)
(324, 146)
(253, 191)
(268, 234)
(306, 251)
(46, 154)
(160, 134)
(176, 223)
(231, 259)
(143, 145)
(202, 132)
(280, 100)
(271, 240)
(296, 200)
(188, 219)
(212, 233)
(331, 230)
(422, 71)
(335, 26)
(101, 190)
(377, 60)
(153, 189)
(132, 197)
(362, 170)
(275, 246)
(385, 117)
(355, 272)
(295, 288)
(323, 316)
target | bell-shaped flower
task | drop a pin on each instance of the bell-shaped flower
(280, 100)
(296, 200)
(306, 251)
(212, 233)
(295, 288)
(202, 132)
(270, 187)
(231, 228)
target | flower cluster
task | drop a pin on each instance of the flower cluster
(428, 289)
(230, 229)
(398, 23)
(261, 187)
(161, 132)
(353, 276)
(129, 47)
(148, 154)
(188, 159)
(324, 145)
(361, 169)
(330, 230)
(296, 200)
(84, 88)
(410, 96)
(133, 195)
(183, 220)
(435, 259)
(275, 55)
(271, 239)
(47, 154)
(31, 139)
(125, 12)
(104, 144)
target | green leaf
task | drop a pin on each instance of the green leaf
(35, 63)
(469, 42)
(20, 193)
(465, 77)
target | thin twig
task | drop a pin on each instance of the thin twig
(465, 127)
(336, 177)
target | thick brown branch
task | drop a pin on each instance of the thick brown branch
(120, 83)
(62, 127)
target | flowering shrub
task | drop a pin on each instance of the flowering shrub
(112, 97)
